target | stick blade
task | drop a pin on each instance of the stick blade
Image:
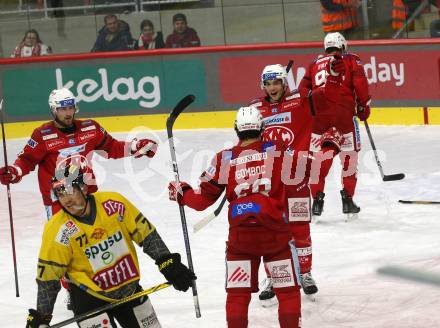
(181, 105)
(393, 177)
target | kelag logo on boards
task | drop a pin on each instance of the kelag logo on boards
(123, 86)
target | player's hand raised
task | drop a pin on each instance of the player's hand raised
(336, 66)
(143, 147)
(10, 174)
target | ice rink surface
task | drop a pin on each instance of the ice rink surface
(346, 254)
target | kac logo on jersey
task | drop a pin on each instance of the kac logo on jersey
(279, 133)
(274, 110)
(245, 208)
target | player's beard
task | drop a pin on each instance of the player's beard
(66, 122)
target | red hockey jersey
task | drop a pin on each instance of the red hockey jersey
(49, 147)
(340, 92)
(255, 179)
(288, 121)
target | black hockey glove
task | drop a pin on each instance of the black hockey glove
(37, 320)
(175, 272)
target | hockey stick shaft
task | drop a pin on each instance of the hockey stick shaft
(421, 202)
(185, 102)
(110, 306)
(8, 189)
(203, 222)
(411, 274)
(390, 177)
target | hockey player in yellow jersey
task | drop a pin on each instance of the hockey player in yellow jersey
(91, 241)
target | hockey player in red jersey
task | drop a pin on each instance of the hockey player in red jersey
(336, 78)
(254, 174)
(288, 120)
(66, 139)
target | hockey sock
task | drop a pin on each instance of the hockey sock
(289, 308)
(237, 305)
(349, 161)
(303, 243)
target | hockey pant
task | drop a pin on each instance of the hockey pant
(245, 247)
(138, 313)
(322, 161)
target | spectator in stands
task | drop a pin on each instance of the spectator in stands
(114, 36)
(340, 16)
(183, 36)
(148, 38)
(31, 46)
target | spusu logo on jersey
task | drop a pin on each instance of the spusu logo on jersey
(279, 133)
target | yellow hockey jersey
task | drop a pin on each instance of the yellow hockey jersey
(101, 255)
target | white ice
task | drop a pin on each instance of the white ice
(346, 254)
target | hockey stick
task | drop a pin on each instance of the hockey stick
(421, 202)
(411, 274)
(110, 306)
(203, 222)
(185, 102)
(8, 189)
(391, 177)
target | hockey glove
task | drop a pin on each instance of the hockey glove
(37, 320)
(10, 174)
(336, 66)
(175, 272)
(143, 147)
(363, 112)
(176, 191)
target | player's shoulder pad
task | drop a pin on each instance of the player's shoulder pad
(352, 57)
(87, 125)
(45, 128)
(256, 102)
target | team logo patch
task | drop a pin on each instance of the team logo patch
(279, 133)
(299, 209)
(281, 273)
(50, 136)
(112, 206)
(238, 274)
(71, 141)
(66, 231)
(315, 142)
(274, 110)
(98, 233)
(32, 143)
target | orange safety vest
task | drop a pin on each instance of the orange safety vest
(398, 14)
(334, 21)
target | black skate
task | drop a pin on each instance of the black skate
(267, 296)
(318, 205)
(348, 206)
(308, 285)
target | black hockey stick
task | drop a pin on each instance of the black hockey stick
(391, 177)
(110, 306)
(203, 222)
(8, 189)
(421, 202)
(185, 102)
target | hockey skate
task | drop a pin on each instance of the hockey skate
(317, 206)
(349, 207)
(309, 286)
(267, 296)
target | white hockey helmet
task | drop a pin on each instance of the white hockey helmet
(273, 72)
(60, 98)
(335, 40)
(248, 118)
